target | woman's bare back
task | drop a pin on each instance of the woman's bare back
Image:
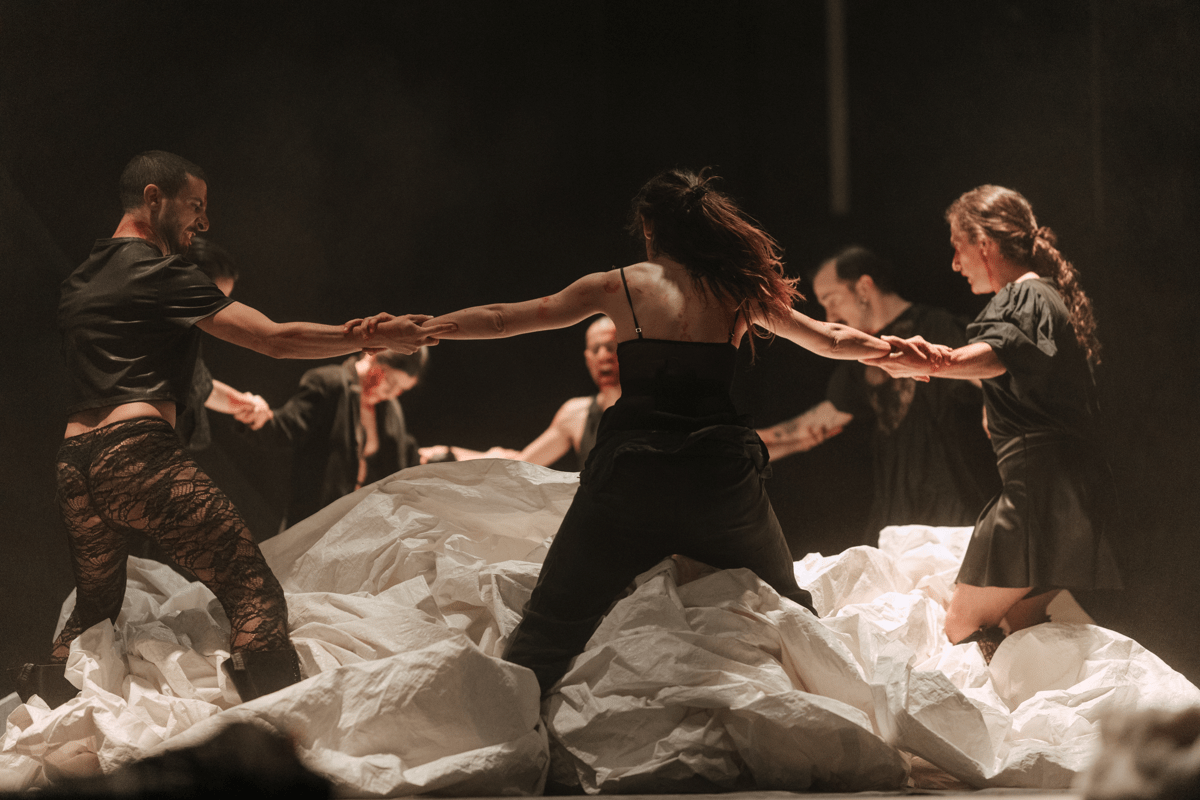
(669, 305)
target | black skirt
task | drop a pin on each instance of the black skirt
(1046, 527)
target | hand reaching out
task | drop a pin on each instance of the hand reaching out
(251, 410)
(404, 334)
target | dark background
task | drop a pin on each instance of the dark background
(423, 156)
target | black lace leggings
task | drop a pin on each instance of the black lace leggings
(135, 477)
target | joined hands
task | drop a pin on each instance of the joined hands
(911, 358)
(404, 334)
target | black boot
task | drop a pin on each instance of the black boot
(47, 681)
(259, 672)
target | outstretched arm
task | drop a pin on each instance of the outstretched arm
(907, 360)
(244, 326)
(562, 436)
(552, 444)
(243, 406)
(573, 304)
(804, 432)
(829, 339)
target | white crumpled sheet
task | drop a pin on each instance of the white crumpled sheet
(400, 599)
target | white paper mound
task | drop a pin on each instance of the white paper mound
(401, 597)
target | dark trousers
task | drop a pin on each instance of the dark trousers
(712, 508)
(134, 478)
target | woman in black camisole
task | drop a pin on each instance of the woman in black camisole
(675, 469)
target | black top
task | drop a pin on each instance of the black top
(674, 402)
(931, 460)
(126, 318)
(1047, 386)
(672, 385)
(322, 424)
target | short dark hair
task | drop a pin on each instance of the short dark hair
(212, 259)
(412, 363)
(852, 262)
(165, 170)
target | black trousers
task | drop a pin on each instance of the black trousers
(134, 477)
(711, 506)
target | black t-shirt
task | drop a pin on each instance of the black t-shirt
(1047, 385)
(931, 459)
(127, 318)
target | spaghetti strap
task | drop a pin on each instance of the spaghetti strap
(637, 328)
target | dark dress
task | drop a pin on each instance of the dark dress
(931, 461)
(1046, 527)
(675, 470)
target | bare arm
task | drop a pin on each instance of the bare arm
(970, 362)
(551, 445)
(804, 432)
(438, 451)
(244, 326)
(573, 304)
(828, 339)
(562, 436)
(243, 406)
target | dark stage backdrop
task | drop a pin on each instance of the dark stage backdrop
(422, 156)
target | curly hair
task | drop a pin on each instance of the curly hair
(1005, 216)
(724, 251)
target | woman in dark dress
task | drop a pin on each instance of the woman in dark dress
(675, 469)
(1033, 348)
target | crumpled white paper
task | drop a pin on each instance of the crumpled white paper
(401, 596)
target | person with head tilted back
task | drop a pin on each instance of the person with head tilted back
(676, 469)
(1034, 348)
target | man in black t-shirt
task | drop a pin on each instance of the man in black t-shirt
(130, 318)
(931, 460)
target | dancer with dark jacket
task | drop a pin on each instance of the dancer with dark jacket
(345, 428)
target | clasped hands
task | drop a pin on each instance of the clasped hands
(404, 334)
(911, 358)
(250, 409)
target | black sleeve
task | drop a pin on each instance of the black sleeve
(186, 295)
(1019, 325)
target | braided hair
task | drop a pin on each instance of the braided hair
(1005, 216)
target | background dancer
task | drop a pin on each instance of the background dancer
(931, 462)
(577, 421)
(345, 427)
